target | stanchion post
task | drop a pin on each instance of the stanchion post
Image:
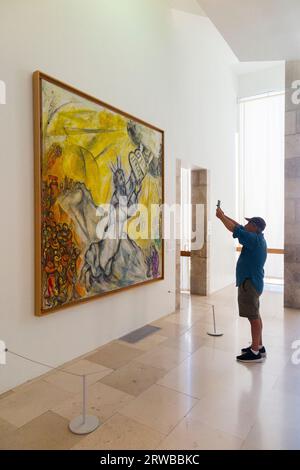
(215, 333)
(84, 424)
(84, 397)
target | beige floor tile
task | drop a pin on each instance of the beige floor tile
(47, 432)
(134, 378)
(279, 405)
(73, 383)
(213, 360)
(288, 380)
(210, 369)
(170, 329)
(184, 379)
(200, 328)
(6, 394)
(233, 409)
(121, 433)
(29, 383)
(147, 343)
(268, 436)
(186, 342)
(238, 328)
(196, 303)
(186, 318)
(277, 426)
(159, 408)
(5, 428)
(228, 342)
(224, 317)
(291, 319)
(275, 362)
(163, 357)
(277, 344)
(21, 407)
(249, 376)
(103, 401)
(163, 322)
(192, 434)
(114, 355)
(88, 367)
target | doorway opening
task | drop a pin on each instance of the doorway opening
(186, 230)
(194, 276)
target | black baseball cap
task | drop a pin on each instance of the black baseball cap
(258, 221)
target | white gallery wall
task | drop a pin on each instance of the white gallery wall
(204, 107)
(121, 51)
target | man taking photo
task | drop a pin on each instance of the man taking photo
(249, 279)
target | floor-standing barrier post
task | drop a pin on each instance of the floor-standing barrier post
(84, 424)
(215, 333)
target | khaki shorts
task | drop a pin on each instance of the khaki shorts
(248, 299)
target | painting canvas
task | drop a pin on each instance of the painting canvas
(98, 174)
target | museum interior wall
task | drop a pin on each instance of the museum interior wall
(204, 106)
(170, 69)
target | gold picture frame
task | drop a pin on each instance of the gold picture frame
(70, 182)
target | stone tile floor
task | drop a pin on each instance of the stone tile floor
(175, 389)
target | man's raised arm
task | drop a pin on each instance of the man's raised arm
(230, 224)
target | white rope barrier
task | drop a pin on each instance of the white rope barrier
(82, 424)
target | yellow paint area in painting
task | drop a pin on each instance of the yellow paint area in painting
(90, 141)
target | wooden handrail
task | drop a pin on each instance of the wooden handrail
(185, 253)
(274, 251)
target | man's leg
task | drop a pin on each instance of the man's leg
(261, 328)
(256, 333)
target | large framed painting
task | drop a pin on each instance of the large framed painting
(99, 188)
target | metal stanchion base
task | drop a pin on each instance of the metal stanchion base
(215, 327)
(78, 426)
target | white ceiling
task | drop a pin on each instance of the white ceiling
(189, 6)
(258, 29)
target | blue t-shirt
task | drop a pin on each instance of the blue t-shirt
(251, 261)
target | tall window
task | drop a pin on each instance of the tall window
(261, 169)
